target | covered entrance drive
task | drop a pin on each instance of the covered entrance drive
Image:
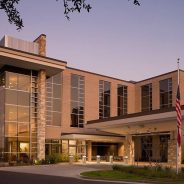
(104, 149)
(149, 136)
(102, 145)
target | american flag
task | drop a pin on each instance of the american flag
(178, 111)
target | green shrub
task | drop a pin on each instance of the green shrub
(55, 158)
(146, 167)
(76, 158)
(150, 172)
(64, 158)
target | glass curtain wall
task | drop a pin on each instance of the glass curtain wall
(151, 148)
(74, 147)
(52, 146)
(66, 147)
(53, 100)
(17, 116)
(2, 92)
(77, 101)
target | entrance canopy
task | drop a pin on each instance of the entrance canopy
(20, 59)
(138, 123)
(94, 138)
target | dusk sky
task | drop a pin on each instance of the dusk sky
(116, 38)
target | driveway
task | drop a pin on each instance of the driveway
(62, 169)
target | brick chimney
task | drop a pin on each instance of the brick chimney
(41, 40)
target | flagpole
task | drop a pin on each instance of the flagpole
(177, 123)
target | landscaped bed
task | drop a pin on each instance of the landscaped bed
(132, 173)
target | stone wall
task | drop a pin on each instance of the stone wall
(89, 150)
(41, 115)
(138, 148)
(129, 150)
(41, 40)
(121, 149)
(172, 151)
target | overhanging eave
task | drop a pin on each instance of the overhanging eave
(29, 61)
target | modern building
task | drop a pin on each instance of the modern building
(47, 107)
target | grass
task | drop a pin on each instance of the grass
(160, 175)
(110, 174)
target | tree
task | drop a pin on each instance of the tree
(69, 6)
(12, 13)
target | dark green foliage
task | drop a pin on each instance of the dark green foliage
(12, 13)
(69, 6)
(150, 172)
(56, 158)
(136, 2)
(75, 5)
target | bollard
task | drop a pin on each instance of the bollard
(98, 159)
(71, 159)
(111, 159)
(84, 159)
(126, 159)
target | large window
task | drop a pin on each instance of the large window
(122, 99)
(104, 99)
(77, 101)
(166, 93)
(146, 97)
(146, 148)
(164, 147)
(52, 146)
(17, 116)
(66, 147)
(53, 100)
(17, 81)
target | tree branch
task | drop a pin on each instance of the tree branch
(136, 2)
(69, 6)
(12, 13)
(75, 5)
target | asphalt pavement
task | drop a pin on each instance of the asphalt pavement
(7, 177)
(63, 173)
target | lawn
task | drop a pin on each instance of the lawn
(160, 175)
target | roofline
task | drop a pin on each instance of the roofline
(131, 82)
(37, 55)
(86, 71)
(99, 75)
(158, 76)
(157, 111)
